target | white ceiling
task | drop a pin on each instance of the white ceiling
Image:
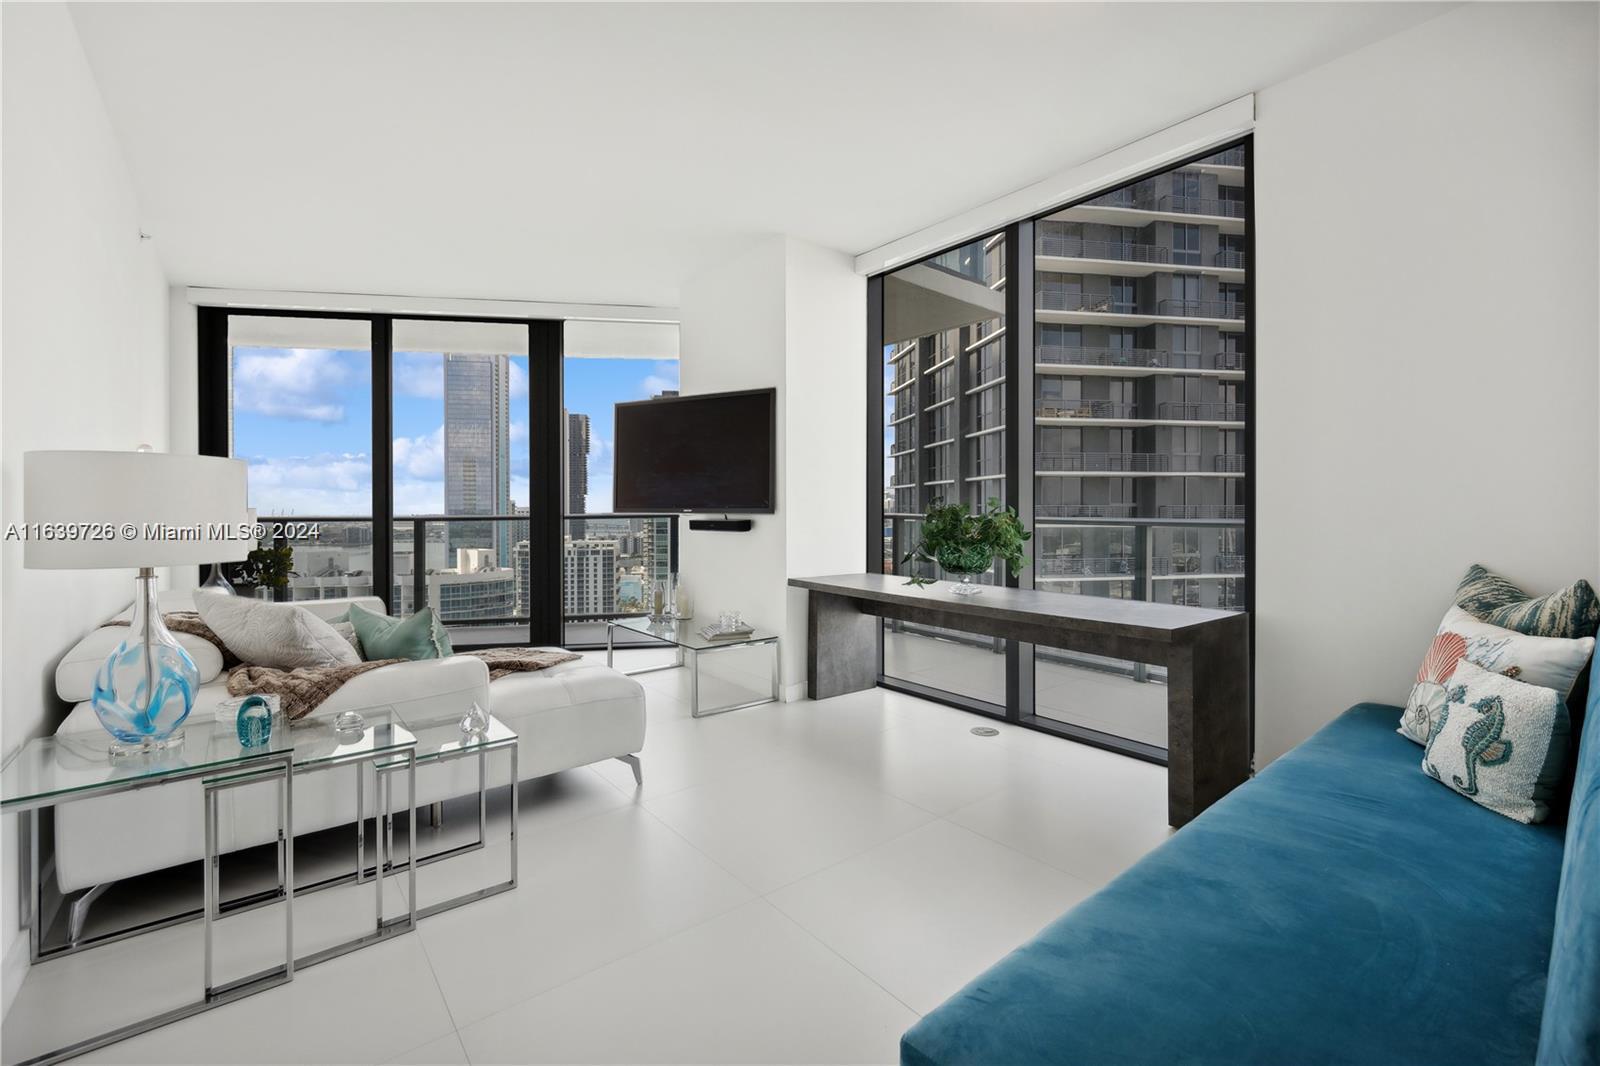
(603, 153)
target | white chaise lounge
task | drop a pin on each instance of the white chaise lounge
(565, 717)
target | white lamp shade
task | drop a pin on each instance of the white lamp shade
(105, 510)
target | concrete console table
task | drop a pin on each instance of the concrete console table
(1206, 653)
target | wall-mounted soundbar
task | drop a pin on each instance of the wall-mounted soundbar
(722, 525)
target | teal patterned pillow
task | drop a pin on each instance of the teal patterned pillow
(1571, 612)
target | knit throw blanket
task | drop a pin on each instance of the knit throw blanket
(303, 690)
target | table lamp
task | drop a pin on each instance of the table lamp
(88, 510)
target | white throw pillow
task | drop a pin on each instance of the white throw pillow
(273, 634)
(1549, 662)
(1499, 742)
(76, 671)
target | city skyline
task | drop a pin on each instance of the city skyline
(301, 421)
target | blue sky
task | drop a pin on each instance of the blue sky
(302, 420)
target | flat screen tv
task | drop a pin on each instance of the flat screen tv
(713, 453)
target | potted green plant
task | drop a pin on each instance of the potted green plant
(268, 569)
(966, 544)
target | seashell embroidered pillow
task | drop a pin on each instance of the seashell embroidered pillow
(1549, 662)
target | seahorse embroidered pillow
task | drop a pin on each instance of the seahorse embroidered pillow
(1549, 662)
(1501, 743)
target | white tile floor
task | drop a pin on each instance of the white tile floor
(794, 883)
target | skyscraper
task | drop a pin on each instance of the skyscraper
(477, 448)
(575, 469)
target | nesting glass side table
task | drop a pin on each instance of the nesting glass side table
(684, 634)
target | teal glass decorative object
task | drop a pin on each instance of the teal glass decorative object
(254, 722)
(146, 688)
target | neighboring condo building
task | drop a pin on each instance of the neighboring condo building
(1139, 370)
(590, 586)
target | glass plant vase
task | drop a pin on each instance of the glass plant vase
(146, 688)
(965, 565)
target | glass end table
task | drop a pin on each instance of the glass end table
(684, 634)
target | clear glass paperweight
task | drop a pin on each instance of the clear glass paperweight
(475, 723)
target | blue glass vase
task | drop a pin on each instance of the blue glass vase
(146, 688)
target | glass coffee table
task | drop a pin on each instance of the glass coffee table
(684, 634)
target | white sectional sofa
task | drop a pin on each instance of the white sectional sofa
(565, 717)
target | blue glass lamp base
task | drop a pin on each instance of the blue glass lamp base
(147, 686)
(171, 741)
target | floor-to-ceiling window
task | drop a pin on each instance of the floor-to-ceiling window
(612, 563)
(408, 458)
(1134, 345)
(944, 437)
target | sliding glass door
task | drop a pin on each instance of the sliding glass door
(409, 458)
(1102, 386)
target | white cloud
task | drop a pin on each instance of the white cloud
(519, 379)
(312, 485)
(420, 457)
(294, 383)
(413, 496)
(419, 375)
(664, 378)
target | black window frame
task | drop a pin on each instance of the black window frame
(1019, 242)
(545, 504)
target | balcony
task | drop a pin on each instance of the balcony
(1192, 563)
(1136, 358)
(1081, 566)
(1202, 412)
(1177, 205)
(1083, 301)
(1228, 464)
(1228, 157)
(1085, 510)
(1121, 251)
(1118, 462)
(1228, 512)
(1231, 309)
(1229, 259)
(1084, 409)
(1198, 205)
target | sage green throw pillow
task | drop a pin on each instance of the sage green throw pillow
(422, 636)
(1570, 613)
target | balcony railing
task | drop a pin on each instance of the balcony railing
(1080, 566)
(1072, 355)
(1084, 409)
(1086, 510)
(1182, 205)
(1202, 308)
(1200, 205)
(1232, 260)
(1122, 251)
(1229, 464)
(1228, 157)
(1224, 511)
(1204, 412)
(1051, 300)
(1119, 462)
(1171, 565)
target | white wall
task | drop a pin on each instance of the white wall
(1426, 279)
(787, 315)
(82, 356)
